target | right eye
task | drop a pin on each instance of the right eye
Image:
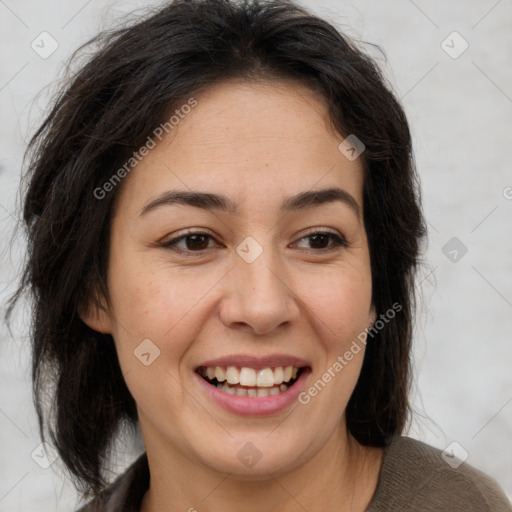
(188, 243)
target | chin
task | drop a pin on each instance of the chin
(257, 458)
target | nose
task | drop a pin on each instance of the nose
(258, 295)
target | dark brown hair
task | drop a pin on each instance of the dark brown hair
(107, 110)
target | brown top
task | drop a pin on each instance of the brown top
(413, 477)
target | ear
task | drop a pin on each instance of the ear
(372, 317)
(94, 313)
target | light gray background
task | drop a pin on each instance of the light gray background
(460, 110)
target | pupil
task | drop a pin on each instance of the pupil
(317, 237)
(195, 244)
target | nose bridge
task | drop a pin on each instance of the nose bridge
(258, 266)
(260, 297)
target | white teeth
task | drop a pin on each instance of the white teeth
(248, 376)
(219, 374)
(229, 390)
(278, 375)
(251, 392)
(265, 378)
(233, 375)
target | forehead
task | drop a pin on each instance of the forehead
(254, 142)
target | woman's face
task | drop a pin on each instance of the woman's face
(275, 274)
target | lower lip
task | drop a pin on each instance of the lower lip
(255, 406)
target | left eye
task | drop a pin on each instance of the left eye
(196, 242)
(319, 238)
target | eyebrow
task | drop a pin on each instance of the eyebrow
(219, 202)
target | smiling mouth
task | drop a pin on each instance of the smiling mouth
(249, 382)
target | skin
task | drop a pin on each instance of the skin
(257, 143)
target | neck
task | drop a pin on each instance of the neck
(342, 477)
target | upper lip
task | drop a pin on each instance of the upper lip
(258, 363)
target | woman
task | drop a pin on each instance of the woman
(224, 228)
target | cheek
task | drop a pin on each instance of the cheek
(154, 301)
(153, 330)
(339, 306)
(339, 302)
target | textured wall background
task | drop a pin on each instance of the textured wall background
(457, 91)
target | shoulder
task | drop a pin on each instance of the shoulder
(125, 493)
(415, 476)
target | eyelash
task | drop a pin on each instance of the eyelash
(172, 244)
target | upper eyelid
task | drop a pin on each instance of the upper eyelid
(310, 231)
